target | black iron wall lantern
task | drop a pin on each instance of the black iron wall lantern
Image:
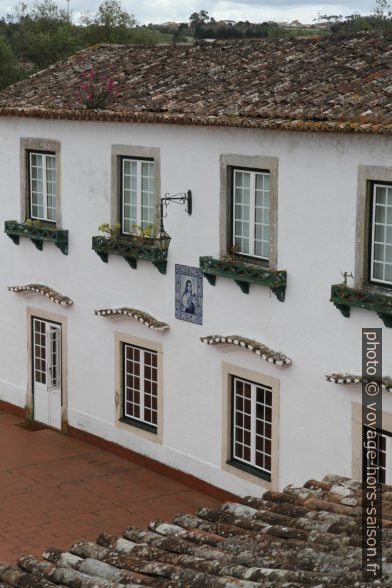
(182, 198)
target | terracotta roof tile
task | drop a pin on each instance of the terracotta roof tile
(305, 536)
(331, 83)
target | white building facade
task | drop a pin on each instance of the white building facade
(221, 413)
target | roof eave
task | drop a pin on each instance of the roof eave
(196, 120)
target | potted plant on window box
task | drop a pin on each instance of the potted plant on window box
(38, 232)
(142, 244)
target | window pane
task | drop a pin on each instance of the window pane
(39, 351)
(388, 273)
(147, 199)
(379, 233)
(379, 252)
(378, 271)
(381, 194)
(51, 186)
(241, 212)
(36, 186)
(380, 214)
(262, 213)
(130, 183)
(382, 234)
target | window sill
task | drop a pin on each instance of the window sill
(249, 469)
(37, 234)
(131, 249)
(139, 425)
(345, 298)
(244, 274)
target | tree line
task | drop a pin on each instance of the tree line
(379, 20)
(32, 38)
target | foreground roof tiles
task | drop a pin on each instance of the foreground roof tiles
(139, 315)
(307, 536)
(251, 345)
(44, 291)
(329, 83)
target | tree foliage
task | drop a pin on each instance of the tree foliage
(42, 34)
(9, 70)
(380, 20)
(111, 24)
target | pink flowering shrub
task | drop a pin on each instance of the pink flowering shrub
(95, 93)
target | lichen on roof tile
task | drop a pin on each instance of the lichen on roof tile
(303, 536)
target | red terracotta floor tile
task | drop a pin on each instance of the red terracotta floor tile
(55, 491)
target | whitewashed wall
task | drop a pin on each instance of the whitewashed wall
(317, 210)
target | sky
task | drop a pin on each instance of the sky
(157, 11)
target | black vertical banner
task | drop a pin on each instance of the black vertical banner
(371, 458)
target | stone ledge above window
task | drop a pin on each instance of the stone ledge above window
(349, 379)
(131, 249)
(37, 234)
(244, 274)
(42, 290)
(139, 315)
(259, 349)
(345, 298)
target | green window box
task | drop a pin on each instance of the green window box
(244, 274)
(37, 233)
(131, 248)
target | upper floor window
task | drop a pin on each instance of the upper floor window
(42, 186)
(140, 386)
(380, 270)
(249, 209)
(251, 213)
(137, 194)
(252, 425)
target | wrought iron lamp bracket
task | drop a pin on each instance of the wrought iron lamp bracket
(181, 198)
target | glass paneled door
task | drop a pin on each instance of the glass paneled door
(46, 346)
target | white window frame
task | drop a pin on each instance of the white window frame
(45, 156)
(252, 463)
(252, 208)
(142, 364)
(139, 162)
(373, 230)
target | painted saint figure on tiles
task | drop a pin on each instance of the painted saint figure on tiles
(188, 298)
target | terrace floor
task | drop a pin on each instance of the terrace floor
(55, 490)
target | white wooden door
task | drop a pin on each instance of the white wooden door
(47, 372)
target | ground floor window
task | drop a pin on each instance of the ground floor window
(384, 456)
(140, 386)
(251, 445)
